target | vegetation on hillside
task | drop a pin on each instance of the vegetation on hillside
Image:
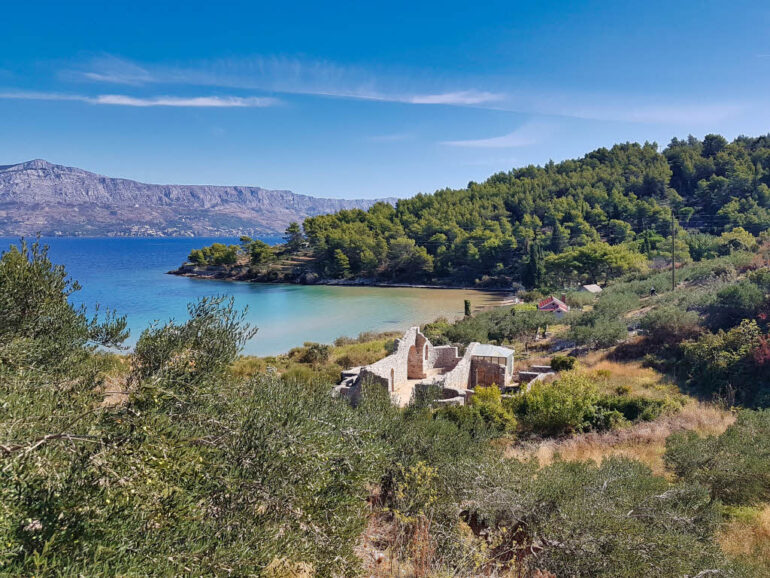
(577, 221)
(208, 463)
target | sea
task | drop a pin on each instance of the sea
(130, 276)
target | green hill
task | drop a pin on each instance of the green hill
(528, 225)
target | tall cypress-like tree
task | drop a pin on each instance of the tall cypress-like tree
(558, 239)
(534, 272)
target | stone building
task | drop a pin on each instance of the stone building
(416, 363)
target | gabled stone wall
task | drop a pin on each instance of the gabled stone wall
(391, 371)
(458, 377)
(486, 373)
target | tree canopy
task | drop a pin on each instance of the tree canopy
(621, 196)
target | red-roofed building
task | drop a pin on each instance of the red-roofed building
(554, 305)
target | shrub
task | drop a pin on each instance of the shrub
(579, 299)
(486, 395)
(565, 405)
(722, 360)
(735, 466)
(616, 519)
(599, 332)
(634, 408)
(478, 420)
(563, 362)
(670, 325)
(743, 300)
(315, 353)
(39, 328)
(485, 415)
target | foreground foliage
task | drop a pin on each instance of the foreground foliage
(194, 470)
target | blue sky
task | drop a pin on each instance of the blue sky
(354, 99)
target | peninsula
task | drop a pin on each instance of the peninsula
(589, 220)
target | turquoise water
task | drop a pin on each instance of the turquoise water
(129, 276)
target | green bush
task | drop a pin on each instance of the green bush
(724, 363)
(743, 300)
(40, 330)
(670, 325)
(635, 408)
(599, 332)
(484, 416)
(315, 353)
(735, 466)
(563, 362)
(617, 520)
(478, 420)
(566, 405)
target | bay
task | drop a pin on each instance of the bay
(129, 275)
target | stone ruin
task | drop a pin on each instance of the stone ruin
(417, 364)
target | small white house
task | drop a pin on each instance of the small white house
(593, 288)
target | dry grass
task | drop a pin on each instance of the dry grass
(747, 536)
(640, 381)
(644, 441)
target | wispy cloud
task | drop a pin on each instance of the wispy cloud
(463, 97)
(167, 101)
(197, 101)
(115, 71)
(282, 75)
(526, 135)
(322, 78)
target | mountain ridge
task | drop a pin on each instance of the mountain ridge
(38, 196)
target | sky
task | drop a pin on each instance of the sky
(364, 99)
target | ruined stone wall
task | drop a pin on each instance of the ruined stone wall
(444, 357)
(392, 370)
(458, 378)
(486, 373)
(419, 357)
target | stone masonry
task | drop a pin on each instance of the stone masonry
(416, 363)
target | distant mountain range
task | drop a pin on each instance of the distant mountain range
(41, 197)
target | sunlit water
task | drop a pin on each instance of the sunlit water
(129, 276)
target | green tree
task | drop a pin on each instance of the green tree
(406, 258)
(260, 252)
(593, 262)
(39, 326)
(341, 264)
(534, 272)
(735, 465)
(293, 237)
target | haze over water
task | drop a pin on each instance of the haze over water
(129, 276)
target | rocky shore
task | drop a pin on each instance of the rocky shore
(246, 273)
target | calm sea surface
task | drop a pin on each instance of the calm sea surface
(129, 276)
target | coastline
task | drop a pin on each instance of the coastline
(240, 274)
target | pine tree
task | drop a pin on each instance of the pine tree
(341, 266)
(293, 237)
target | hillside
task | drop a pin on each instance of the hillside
(582, 220)
(40, 197)
(647, 455)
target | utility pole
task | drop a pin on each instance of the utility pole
(673, 248)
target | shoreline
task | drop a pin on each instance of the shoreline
(192, 273)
